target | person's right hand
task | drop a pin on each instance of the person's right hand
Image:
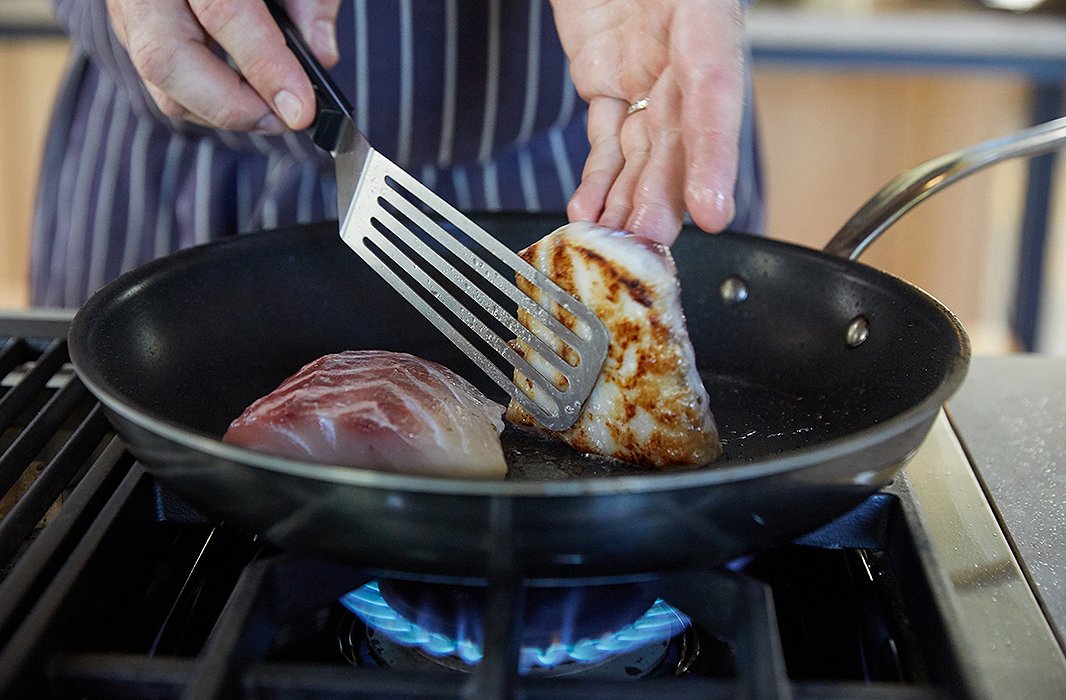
(171, 44)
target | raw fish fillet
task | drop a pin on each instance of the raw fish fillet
(648, 405)
(380, 410)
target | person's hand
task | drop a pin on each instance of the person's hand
(646, 169)
(172, 45)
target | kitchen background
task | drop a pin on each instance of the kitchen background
(849, 93)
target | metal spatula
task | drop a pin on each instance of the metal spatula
(451, 270)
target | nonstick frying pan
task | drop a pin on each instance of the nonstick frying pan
(178, 348)
(824, 376)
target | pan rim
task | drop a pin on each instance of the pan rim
(654, 481)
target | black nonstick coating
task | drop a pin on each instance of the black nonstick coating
(811, 422)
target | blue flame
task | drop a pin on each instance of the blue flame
(659, 623)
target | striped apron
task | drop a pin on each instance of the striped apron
(473, 97)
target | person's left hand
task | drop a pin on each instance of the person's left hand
(646, 169)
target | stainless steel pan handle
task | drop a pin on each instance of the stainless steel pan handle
(904, 192)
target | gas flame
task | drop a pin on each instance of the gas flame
(659, 623)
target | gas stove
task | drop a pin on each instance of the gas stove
(111, 586)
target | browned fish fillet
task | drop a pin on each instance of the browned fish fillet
(649, 405)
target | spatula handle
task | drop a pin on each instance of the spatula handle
(332, 109)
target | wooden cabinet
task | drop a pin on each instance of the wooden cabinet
(832, 139)
(30, 71)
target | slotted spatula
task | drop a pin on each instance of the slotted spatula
(455, 273)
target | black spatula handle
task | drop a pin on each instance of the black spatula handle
(331, 106)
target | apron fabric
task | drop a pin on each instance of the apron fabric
(472, 97)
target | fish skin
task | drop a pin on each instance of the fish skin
(379, 410)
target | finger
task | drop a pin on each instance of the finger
(118, 24)
(711, 78)
(165, 104)
(658, 198)
(615, 49)
(604, 161)
(317, 22)
(269, 124)
(167, 47)
(636, 149)
(247, 32)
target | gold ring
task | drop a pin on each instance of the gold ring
(640, 104)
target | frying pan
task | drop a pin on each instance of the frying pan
(824, 376)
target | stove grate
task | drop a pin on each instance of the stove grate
(113, 598)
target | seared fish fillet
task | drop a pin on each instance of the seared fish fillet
(648, 405)
(380, 410)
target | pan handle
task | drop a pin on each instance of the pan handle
(912, 187)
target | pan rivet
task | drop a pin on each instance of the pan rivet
(733, 290)
(858, 331)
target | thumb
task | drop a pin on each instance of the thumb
(317, 22)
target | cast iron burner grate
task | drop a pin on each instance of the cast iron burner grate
(111, 587)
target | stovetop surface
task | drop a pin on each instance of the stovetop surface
(1011, 413)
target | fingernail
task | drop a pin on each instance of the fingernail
(707, 200)
(288, 107)
(727, 207)
(270, 124)
(325, 37)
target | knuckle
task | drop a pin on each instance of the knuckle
(260, 67)
(166, 106)
(169, 107)
(714, 78)
(575, 211)
(216, 15)
(154, 61)
(635, 145)
(224, 116)
(600, 175)
(585, 77)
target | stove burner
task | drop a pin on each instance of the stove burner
(647, 638)
(363, 646)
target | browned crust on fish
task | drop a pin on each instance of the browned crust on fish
(646, 363)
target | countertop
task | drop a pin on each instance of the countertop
(1011, 413)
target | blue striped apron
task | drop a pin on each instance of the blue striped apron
(473, 97)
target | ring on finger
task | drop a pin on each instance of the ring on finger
(637, 106)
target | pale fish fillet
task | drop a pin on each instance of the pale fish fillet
(648, 405)
(379, 410)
